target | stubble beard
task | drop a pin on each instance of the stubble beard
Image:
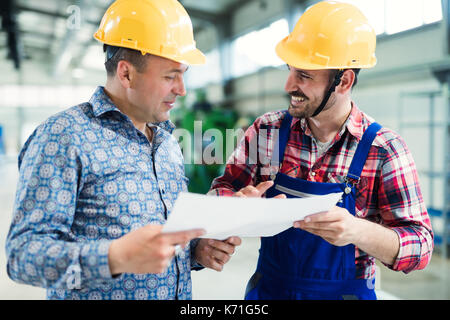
(309, 107)
(299, 112)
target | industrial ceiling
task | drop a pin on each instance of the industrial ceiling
(59, 32)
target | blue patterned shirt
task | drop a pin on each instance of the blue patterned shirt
(88, 176)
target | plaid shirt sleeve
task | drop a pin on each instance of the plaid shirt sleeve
(402, 208)
(241, 169)
(251, 160)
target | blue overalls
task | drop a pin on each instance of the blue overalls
(296, 264)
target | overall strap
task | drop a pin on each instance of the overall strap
(359, 159)
(283, 136)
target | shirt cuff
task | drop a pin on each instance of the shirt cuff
(94, 261)
(409, 250)
(221, 192)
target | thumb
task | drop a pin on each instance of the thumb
(181, 237)
(264, 186)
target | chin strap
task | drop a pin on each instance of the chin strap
(336, 82)
(110, 51)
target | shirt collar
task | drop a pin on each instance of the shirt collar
(101, 104)
(165, 125)
(354, 124)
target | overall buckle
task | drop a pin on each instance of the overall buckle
(350, 182)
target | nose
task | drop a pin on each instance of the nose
(179, 88)
(291, 83)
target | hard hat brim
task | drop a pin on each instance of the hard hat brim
(288, 54)
(292, 58)
(192, 57)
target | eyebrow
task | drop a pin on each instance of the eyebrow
(178, 70)
(302, 72)
(299, 71)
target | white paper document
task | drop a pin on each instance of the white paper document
(223, 217)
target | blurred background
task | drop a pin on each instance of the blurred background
(49, 62)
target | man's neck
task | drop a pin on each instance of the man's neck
(118, 98)
(328, 123)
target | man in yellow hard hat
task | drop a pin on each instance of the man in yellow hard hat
(324, 144)
(98, 180)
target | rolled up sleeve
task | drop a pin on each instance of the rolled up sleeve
(415, 250)
(403, 210)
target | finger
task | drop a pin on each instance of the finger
(215, 265)
(334, 214)
(221, 245)
(321, 217)
(321, 233)
(331, 226)
(235, 241)
(238, 194)
(181, 237)
(250, 191)
(209, 259)
(264, 186)
(220, 256)
(280, 196)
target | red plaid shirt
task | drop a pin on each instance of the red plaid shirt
(388, 192)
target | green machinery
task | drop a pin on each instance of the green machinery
(203, 116)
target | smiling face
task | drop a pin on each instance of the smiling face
(152, 93)
(307, 89)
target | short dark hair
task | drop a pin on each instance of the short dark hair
(334, 73)
(136, 58)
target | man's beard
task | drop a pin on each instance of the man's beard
(303, 111)
(308, 107)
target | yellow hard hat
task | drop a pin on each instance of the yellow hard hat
(158, 27)
(330, 35)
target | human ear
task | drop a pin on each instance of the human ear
(124, 73)
(347, 80)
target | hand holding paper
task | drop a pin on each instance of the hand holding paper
(223, 217)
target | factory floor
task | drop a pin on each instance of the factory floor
(431, 283)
